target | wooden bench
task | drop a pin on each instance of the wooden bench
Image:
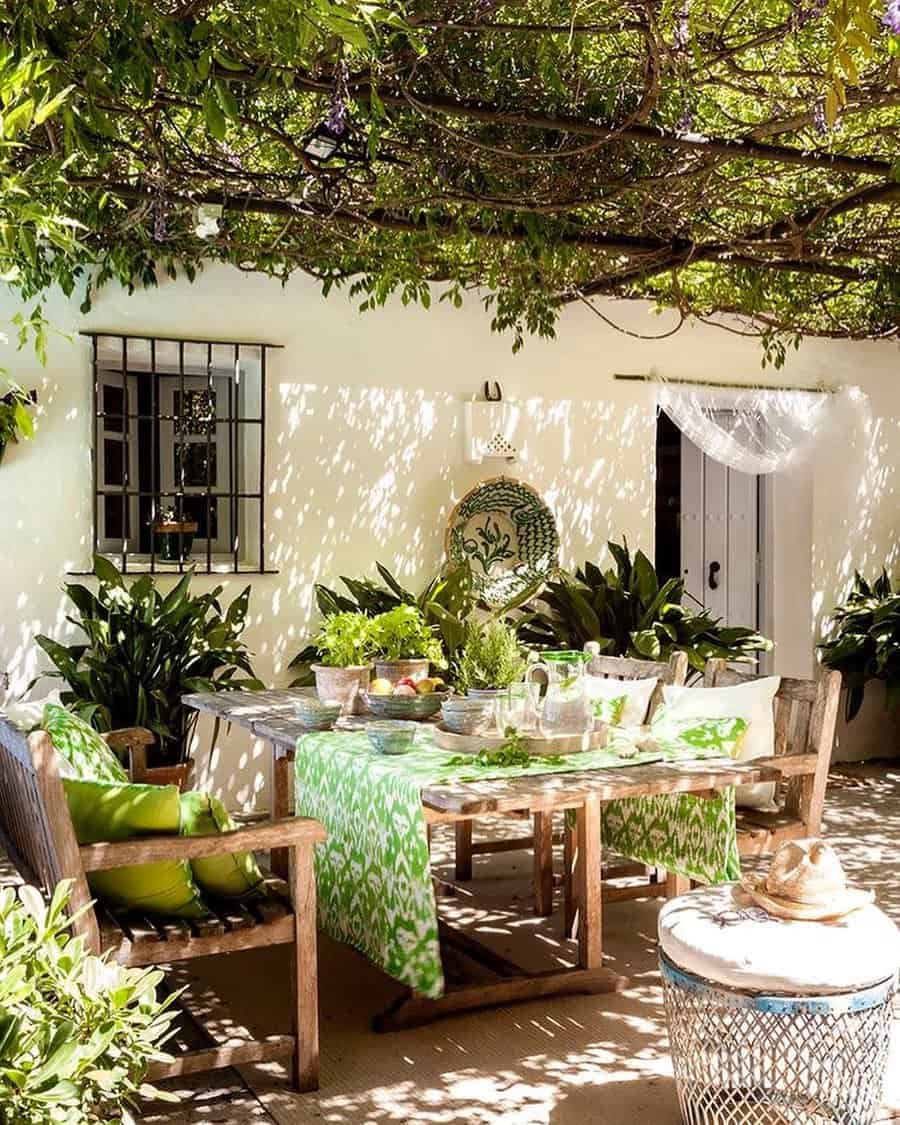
(34, 818)
(805, 717)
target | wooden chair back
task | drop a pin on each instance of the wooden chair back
(34, 818)
(671, 671)
(805, 713)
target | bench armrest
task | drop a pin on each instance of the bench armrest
(289, 832)
(789, 765)
(132, 744)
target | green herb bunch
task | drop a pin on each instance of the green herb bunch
(403, 634)
(345, 640)
(491, 657)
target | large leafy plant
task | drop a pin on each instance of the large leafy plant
(76, 1033)
(629, 612)
(492, 657)
(866, 643)
(146, 649)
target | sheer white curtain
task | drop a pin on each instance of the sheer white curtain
(753, 430)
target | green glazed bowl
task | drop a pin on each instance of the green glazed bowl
(390, 736)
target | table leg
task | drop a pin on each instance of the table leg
(589, 879)
(543, 864)
(570, 891)
(463, 829)
(280, 806)
(676, 884)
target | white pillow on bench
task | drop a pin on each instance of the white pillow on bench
(637, 693)
(752, 701)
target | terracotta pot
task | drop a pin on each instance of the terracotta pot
(394, 670)
(345, 685)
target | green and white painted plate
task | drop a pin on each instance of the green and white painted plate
(507, 534)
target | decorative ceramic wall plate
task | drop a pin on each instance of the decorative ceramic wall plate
(507, 534)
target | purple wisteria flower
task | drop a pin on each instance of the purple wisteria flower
(336, 121)
(683, 29)
(891, 19)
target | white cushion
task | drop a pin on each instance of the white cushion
(752, 701)
(638, 694)
(26, 714)
(799, 958)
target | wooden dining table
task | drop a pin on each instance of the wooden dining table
(269, 715)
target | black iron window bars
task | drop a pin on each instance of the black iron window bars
(179, 452)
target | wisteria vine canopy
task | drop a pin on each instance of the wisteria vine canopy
(715, 156)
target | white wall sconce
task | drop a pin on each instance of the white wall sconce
(490, 427)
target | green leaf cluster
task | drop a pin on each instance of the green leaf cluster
(404, 634)
(145, 649)
(77, 1033)
(15, 411)
(629, 612)
(492, 657)
(866, 641)
(345, 640)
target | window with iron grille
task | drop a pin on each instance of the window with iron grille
(179, 453)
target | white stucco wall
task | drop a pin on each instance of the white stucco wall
(365, 454)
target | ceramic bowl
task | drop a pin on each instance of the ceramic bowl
(405, 706)
(467, 716)
(391, 736)
(313, 714)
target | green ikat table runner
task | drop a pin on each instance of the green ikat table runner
(374, 873)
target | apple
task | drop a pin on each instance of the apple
(404, 691)
(380, 687)
(407, 682)
(425, 687)
(437, 684)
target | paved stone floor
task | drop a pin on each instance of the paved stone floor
(563, 1061)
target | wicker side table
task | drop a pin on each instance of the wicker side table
(793, 1050)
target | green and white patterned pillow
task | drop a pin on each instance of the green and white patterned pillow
(85, 755)
(609, 710)
(688, 737)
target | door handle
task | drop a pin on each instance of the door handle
(714, 569)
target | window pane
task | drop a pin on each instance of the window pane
(113, 462)
(113, 403)
(113, 510)
(198, 462)
(195, 411)
(195, 509)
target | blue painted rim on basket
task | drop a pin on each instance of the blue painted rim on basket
(839, 1003)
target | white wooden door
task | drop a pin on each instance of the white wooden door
(719, 536)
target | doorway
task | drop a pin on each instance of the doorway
(709, 529)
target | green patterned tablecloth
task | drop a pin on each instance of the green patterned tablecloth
(374, 874)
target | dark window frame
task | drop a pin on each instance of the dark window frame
(138, 425)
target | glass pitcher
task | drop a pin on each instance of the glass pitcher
(565, 708)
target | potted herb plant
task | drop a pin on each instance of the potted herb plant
(15, 418)
(492, 660)
(345, 646)
(404, 645)
(173, 537)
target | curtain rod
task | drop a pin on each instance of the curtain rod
(819, 390)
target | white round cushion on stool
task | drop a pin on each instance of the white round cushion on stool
(805, 958)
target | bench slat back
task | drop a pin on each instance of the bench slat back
(671, 671)
(805, 713)
(34, 817)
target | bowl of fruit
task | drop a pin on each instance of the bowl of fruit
(406, 699)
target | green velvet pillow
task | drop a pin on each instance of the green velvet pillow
(81, 747)
(111, 811)
(233, 875)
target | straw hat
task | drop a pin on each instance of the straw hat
(805, 882)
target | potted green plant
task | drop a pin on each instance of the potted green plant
(492, 659)
(77, 1032)
(15, 417)
(144, 649)
(404, 644)
(865, 649)
(344, 643)
(173, 536)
